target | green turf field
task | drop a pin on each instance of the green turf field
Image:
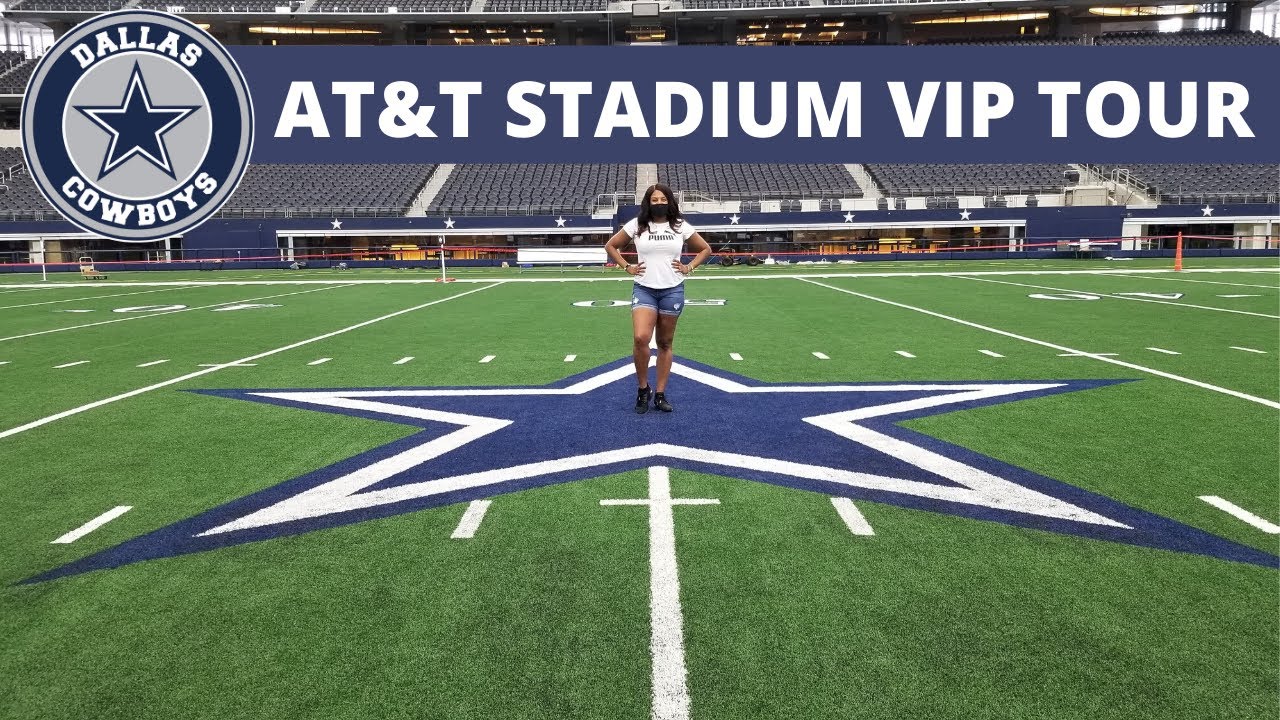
(549, 610)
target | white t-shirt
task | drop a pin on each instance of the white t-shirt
(657, 246)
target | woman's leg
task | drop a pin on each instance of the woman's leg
(666, 336)
(643, 320)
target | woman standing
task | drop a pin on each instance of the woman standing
(657, 299)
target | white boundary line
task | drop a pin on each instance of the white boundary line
(1227, 506)
(1055, 346)
(1202, 282)
(183, 378)
(166, 312)
(92, 525)
(833, 273)
(1123, 297)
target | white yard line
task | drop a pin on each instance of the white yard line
(70, 364)
(821, 356)
(183, 378)
(666, 617)
(320, 361)
(403, 360)
(852, 517)
(904, 353)
(1162, 350)
(470, 521)
(990, 354)
(153, 362)
(1097, 356)
(92, 525)
(165, 312)
(88, 299)
(1121, 297)
(1251, 350)
(1227, 506)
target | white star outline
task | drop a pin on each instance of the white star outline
(136, 83)
(973, 486)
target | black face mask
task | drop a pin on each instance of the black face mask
(658, 212)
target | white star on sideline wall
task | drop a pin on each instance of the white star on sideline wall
(448, 222)
(560, 221)
(734, 218)
(848, 217)
(965, 215)
(337, 224)
(1206, 210)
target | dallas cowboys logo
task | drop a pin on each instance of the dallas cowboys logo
(137, 125)
(840, 440)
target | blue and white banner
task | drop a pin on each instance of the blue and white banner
(730, 104)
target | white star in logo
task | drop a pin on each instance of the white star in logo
(1206, 210)
(560, 221)
(448, 222)
(848, 217)
(734, 218)
(337, 224)
(965, 215)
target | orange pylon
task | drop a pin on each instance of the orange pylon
(1177, 254)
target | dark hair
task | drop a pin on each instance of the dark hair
(673, 209)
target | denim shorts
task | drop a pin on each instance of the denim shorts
(667, 301)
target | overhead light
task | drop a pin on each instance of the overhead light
(309, 30)
(991, 17)
(1140, 11)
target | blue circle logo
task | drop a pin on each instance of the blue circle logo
(137, 125)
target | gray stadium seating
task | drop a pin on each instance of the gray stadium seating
(83, 6)
(1189, 182)
(343, 190)
(228, 6)
(757, 182)
(902, 180)
(14, 80)
(20, 200)
(514, 6)
(1186, 38)
(729, 4)
(380, 6)
(530, 189)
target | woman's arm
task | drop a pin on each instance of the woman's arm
(614, 247)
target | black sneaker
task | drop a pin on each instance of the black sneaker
(642, 400)
(660, 402)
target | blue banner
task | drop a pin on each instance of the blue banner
(729, 104)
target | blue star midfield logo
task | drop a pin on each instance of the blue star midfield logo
(137, 127)
(836, 439)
